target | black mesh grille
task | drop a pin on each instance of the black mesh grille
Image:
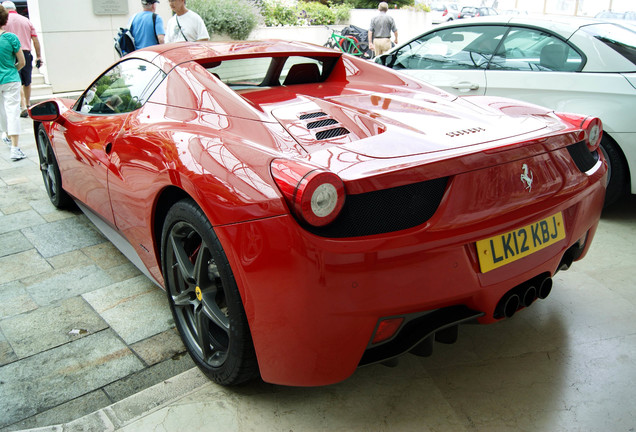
(331, 133)
(386, 210)
(582, 157)
(321, 123)
(312, 115)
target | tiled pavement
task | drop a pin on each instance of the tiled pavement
(80, 327)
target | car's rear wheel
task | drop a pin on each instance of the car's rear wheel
(204, 297)
(51, 171)
(616, 171)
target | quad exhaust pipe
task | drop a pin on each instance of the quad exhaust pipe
(523, 296)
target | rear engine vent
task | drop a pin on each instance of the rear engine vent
(321, 123)
(386, 210)
(312, 115)
(331, 133)
(582, 157)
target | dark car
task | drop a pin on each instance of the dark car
(473, 11)
(21, 7)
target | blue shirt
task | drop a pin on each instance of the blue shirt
(9, 46)
(143, 31)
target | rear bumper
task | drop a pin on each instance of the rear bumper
(314, 303)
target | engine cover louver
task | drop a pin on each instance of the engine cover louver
(323, 128)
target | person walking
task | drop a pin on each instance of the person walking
(11, 61)
(185, 25)
(380, 31)
(146, 26)
(24, 30)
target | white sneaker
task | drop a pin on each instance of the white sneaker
(16, 154)
(6, 139)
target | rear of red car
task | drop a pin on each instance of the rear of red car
(390, 246)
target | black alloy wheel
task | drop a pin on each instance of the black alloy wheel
(51, 171)
(204, 298)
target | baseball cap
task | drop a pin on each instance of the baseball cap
(147, 2)
(10, 5)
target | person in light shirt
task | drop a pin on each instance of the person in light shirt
(185, 25)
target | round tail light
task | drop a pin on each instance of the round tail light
(314, 195)
(592, 128)
(594, 132)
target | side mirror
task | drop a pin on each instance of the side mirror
(45, 111)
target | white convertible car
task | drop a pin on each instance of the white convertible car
(569, 64)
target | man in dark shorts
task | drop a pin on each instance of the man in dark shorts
(24, 30)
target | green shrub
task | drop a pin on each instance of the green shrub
(279, 13)
(290, 13)
(418, 7)
(342, 11)
(235, 18)
(314, 13)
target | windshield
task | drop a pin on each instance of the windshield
(619, 38)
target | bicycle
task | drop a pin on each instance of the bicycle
(348, 44)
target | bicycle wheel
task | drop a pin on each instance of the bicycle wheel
(348, 44)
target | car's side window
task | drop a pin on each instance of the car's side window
(122, 89)
(453, 48)
(534, 50)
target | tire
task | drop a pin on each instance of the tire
(616, 171)
(204, 298)
(51, 171)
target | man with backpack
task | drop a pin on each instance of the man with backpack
(146, 26)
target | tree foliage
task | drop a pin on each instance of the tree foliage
(235, 18)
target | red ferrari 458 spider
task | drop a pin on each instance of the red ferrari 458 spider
(309, 212)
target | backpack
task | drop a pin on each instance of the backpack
(124, 42)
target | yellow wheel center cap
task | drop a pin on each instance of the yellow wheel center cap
(198, 293)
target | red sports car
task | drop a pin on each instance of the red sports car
(309, 212)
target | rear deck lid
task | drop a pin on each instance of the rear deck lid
(387, 127)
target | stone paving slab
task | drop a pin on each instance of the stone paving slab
(57, 324)
(13, 242)
(15, 300)
(63, 236)
(145, 378)
(19, 220)
(55, 376)
(6, 352)
(66, 412)
(58, 285)
(17, 266)
(135, 308)
(159, 347)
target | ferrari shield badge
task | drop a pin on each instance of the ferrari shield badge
(526, 177)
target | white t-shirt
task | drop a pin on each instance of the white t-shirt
(192, 27)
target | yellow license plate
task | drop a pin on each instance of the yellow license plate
(503, 249)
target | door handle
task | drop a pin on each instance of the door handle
(465, 85)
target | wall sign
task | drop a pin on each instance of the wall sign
(110, 7)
